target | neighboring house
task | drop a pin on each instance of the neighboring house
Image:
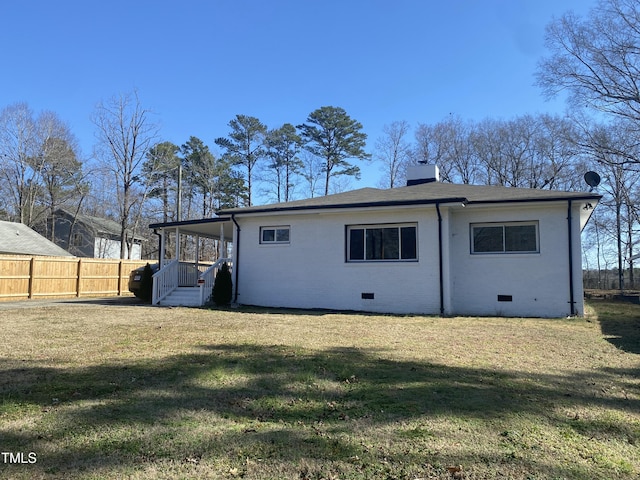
(92, 237)
(427, 248)
(18, 239)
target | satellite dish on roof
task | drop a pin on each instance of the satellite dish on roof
(592, 179)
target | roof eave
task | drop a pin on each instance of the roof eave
(184, 223)
(342, 206)
(563, 198)
(400, 203)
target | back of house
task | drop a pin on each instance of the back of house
(427, 248)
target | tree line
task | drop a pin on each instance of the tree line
(133, 176)
(135, 179)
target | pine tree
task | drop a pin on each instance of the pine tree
(222, 287)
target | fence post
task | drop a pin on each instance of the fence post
(79, 277)
(120, 278)
(31, 272)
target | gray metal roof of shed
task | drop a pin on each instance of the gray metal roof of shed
(18, 239)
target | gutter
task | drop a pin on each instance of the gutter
(236, 249)
(201, 221)
(342, 206)
(572, 301)
(536, 200)
(441, 268)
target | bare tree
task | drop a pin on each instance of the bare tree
(526, 152)
(19, 146)
(125, 135)
(40, 165)
(595, 59)
(618, 216)
(433, 146)
(393, 151)
(462, 160)
(557, 162)
(312, 172)
(63, 181)
(448, 144)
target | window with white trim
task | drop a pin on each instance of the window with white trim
(275, 235)
(387, 242)
(511, 237)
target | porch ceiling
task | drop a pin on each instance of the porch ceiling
(206, 227)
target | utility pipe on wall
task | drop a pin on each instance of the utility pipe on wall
(236, 250)
(572, 301)
(441, 267)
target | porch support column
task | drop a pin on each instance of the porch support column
(163, 245)
(221, 250)
(177, 249)
(197, 250)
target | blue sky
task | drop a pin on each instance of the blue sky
(197, 64)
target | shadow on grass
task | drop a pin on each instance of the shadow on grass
(286, 403)
(620, 323)
(307, 312)
(114, 301)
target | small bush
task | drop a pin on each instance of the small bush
(146, 284)
(222, 287)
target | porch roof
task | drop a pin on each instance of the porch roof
(204, 227)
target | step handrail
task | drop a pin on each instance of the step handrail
(165, 281)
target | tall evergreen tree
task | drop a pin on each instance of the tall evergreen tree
(283, 146)
(335, 137)
(161, 170)
(201, 172)
(245, 145)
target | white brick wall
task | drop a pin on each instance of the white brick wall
(312, 272)
(538, 282)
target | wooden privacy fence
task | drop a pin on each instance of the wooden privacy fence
(24, 277)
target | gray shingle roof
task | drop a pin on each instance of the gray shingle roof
(424, 194)
(103, 225)
(96, 224)
(18, 239)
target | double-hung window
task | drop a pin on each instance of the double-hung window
(388, 242)
(275, 235)
(512, 237)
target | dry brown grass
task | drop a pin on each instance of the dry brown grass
(128, 391)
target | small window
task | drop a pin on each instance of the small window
(382, 243)
(516, 237)
(274, 235)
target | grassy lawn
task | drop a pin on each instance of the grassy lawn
(110, 392)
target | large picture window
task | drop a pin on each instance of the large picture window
(370, 243)
(514, 237)
(275, 235)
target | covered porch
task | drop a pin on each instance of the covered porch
(190, 254)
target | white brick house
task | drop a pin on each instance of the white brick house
(428, 248)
